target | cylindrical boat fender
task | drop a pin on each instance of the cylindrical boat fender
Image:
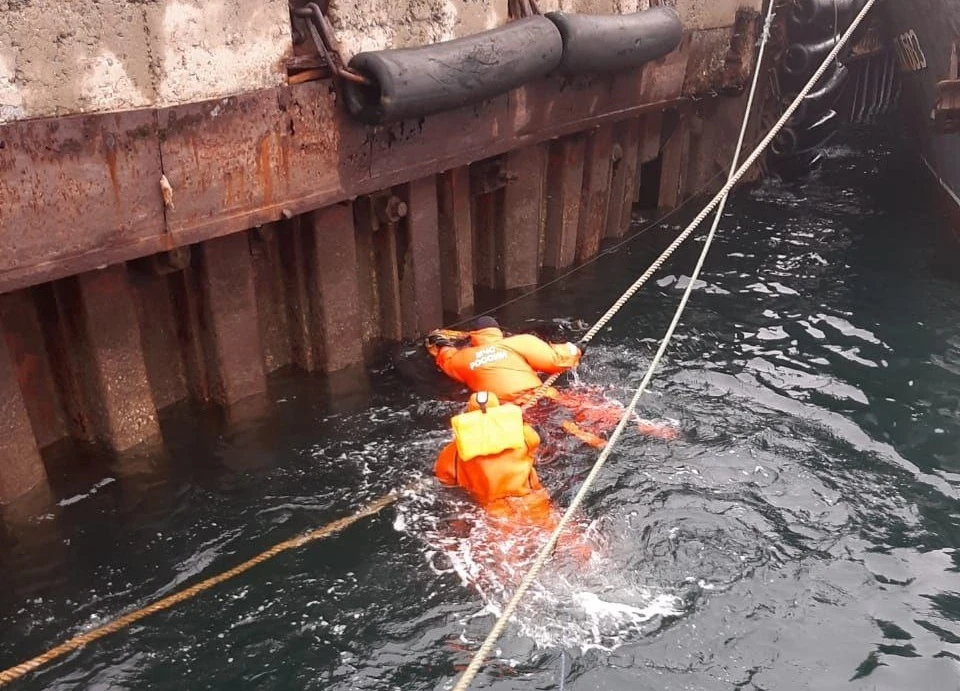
(808, 12)
(801, 59)
(800, 139)
(604, 43)
(825, 92)
(414, 82)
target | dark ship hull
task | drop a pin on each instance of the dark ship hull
(926, 36)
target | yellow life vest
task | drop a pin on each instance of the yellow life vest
(480, 433)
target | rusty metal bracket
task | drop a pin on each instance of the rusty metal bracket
(388, 209)
(164, 263)
(489, 176)
(325, 40)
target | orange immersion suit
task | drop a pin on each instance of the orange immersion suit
(508, 367)
(505, 366)
(505, 483)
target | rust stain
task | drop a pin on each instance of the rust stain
(227, 189)
(111, 155)
(263, 169)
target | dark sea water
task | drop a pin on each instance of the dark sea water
(802, 534)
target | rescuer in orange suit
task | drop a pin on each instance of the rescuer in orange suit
(508, 366)
(494, 462)
(492, 457)
(503, 365)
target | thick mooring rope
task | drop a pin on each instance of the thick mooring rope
(9, 675)
(544, 554)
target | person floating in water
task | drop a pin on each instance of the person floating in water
(492, 457)
(509, 366)
(504, 365)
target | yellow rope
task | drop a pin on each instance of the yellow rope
(13, 673)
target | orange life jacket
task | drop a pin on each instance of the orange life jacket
(507, 366)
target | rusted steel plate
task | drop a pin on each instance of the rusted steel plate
(335, 302)
(523, 218)
(27, 348)
(707, 58)
(564, 182)
(673, 170)
(238, 162)
(420, 287)
(114, 370)
(738, 65)
(596, 192)
(456, 240)
(20, 464)
(75, 187)
(663, 78)
(229, 324)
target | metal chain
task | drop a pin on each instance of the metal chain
(544, 554)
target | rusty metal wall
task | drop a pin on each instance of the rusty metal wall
(296, 238)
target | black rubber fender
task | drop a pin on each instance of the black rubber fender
(805, 13)
(802, 59)
(414, 82)
(803, 138)
(824, 94)
(605, 43)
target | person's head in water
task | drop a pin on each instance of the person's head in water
(485, 323)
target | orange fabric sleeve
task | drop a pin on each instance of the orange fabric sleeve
(443, 360)
(543, 356)
(446, 466)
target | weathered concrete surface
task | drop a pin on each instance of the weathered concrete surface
(698, 15)
(61, 58)
(523, 217)
(363, 26)
(68, 58)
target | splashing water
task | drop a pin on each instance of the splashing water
(582, 604)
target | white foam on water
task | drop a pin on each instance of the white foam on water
(592, 604)
(93, 490)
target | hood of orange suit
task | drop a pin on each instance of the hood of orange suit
(486, 336)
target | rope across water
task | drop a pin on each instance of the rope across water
(13, 673)
(544, 554)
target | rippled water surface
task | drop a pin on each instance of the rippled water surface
(802, 533)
